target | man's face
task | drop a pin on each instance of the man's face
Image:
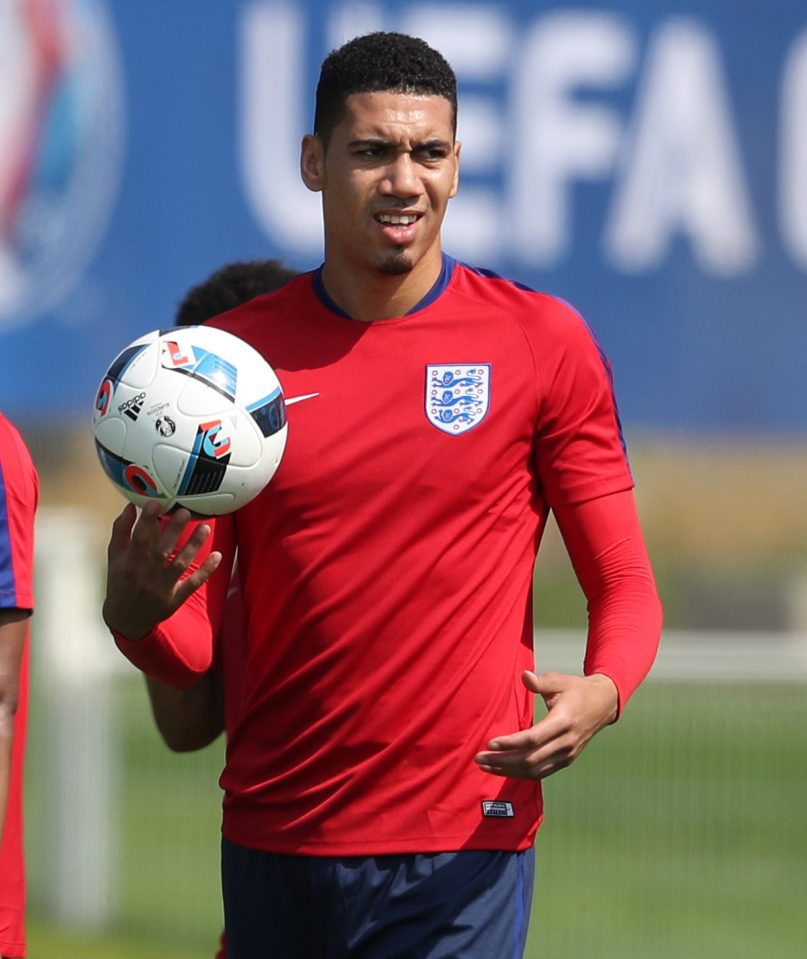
(389, 170)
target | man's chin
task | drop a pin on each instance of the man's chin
(396, 263)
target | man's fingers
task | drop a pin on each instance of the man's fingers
(199, 576)
(548, 729)
(529, 763)
(516, 758)
(122, 529)
(545, 685)
(172, 532)
(531, 680)
(508, 760)
(536, 771)
(147, 528)
(155, 538)
(187, 554)
(531, 753)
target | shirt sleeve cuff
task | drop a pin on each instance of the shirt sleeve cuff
(156, 656)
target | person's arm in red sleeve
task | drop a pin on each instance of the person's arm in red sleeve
(13, 626)
(166, 586)
(607, 549)
(605, 544)
(19, 497)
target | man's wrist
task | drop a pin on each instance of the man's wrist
(130, 632)
(610, 695)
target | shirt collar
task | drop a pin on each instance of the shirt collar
(442, 281)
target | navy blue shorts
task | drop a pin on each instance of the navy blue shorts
(452, 905)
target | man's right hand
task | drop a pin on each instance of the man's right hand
(145, 570)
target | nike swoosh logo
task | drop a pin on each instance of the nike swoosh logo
(299, 399)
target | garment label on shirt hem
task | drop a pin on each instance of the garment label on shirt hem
(497, 809)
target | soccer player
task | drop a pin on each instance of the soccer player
(19, 493)
(383, 782)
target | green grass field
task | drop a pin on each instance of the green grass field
(680, 833)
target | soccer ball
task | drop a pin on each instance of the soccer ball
(191, 416)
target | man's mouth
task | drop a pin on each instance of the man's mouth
(389, 219)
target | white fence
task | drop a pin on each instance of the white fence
(686, 656)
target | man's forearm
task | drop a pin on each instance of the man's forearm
(188, 719)
(607, 549)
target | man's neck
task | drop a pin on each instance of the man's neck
(368, 295)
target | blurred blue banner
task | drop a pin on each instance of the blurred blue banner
(646, 161)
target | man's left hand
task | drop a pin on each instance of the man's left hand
(577, 708)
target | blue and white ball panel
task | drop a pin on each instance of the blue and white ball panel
(103, 397)
(113, 465)
(125, 363)
(195, 398)
(205, 470)
(130, 477)
(269, 413)
(212, 370)
(218, 373)
(111, 434)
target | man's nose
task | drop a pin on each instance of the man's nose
(401, 178)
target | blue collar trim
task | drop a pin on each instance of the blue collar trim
(442, 281)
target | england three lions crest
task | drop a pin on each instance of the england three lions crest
(457, 395)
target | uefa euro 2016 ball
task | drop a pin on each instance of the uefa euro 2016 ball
(192, 417)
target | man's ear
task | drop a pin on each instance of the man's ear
(456, 184)
(312, 162)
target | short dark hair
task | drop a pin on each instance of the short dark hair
(375, 62)
(230, 286)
